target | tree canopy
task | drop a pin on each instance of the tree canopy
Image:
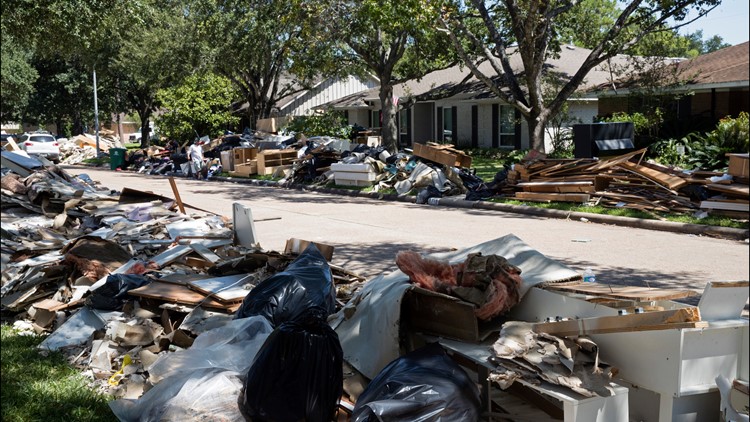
(528, 28)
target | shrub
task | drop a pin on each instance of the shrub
(329, 123)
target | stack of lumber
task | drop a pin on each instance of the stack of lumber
(627, 181)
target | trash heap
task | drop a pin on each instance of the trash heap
(183, 316)
(83, 147)
(119, 280)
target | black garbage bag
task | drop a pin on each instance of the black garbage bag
(424, 385)
(114, 293)
(297, 374)
(305, 284)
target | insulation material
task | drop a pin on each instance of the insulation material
(535, 357)
(489, 282)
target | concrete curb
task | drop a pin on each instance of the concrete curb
(668, 226)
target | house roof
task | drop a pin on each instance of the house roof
(727, 65)
(447, 82)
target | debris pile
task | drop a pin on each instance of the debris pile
(83, 147)
(626, 181)
(183, 316)
(120, 281)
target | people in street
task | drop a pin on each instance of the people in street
(195, 157)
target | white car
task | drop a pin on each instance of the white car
(42, 144)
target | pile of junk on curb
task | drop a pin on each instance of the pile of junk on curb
(180, 314)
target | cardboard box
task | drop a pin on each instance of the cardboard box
(739, 165)
(245, 169)
(442, 154)
(446, 316)
(273, 124)
(297, 246)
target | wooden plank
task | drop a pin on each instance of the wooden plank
(727, 206)
(176, 194)
(664, 179)
(647, 321)
(641, 294)
(735, 189)
(557, 197)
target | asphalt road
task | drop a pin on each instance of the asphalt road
(367, 233)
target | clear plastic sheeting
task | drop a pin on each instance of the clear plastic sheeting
(231, 347)
(205, 394)
(424, 385)
(305, 284)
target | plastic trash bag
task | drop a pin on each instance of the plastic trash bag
(297, 374)
(231, 347)
(206, 394)
(306, 283)
(424, 385)
(113, 294)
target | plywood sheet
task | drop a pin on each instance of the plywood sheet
(642, 294)
(176, 293)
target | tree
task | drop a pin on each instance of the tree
(394, 40)
(62, 95)
(17, 77)
(260, 46)
(199, 105)
(155, 52)
(528, 27)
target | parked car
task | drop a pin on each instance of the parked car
(42, 144)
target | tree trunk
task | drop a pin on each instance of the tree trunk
(536, 131)
(145, 115)
(389, 130)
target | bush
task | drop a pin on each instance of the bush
(706, 152)
(329, 123)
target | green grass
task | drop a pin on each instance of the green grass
(486, 168)
(626, 212)
(38, 388)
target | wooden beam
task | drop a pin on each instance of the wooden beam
(558, 197)
(664, 179)
(176, 194)
(647, 321)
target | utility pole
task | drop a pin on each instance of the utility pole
(96, 115)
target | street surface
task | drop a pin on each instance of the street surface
(368, 233)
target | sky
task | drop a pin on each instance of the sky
(730, 20)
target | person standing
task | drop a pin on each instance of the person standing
(195, 157)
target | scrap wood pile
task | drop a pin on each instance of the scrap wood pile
(627, 181)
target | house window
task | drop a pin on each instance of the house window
(507, 126)
(376, 120)
(448, 124)
(404, 127)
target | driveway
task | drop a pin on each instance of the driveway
(367, 233)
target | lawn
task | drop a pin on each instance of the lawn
(38, 388)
